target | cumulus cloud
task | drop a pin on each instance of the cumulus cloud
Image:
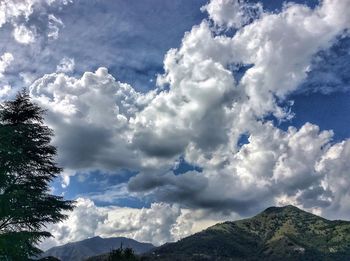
(199, 110)
(158, 224)
(82, 223)
(281, 47)
(148, 225)
(204, 92)
(272, 164)
(95, 108)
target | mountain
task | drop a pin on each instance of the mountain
(81, 250)
(278, 233)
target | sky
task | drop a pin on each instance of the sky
(171, 116)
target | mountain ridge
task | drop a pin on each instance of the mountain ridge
(80, 250)
(277, 233)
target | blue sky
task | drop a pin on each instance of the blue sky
(188, 112)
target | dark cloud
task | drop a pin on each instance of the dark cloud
(193, 190)
(162, 145)
(79, 146)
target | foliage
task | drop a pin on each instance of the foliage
(27, 167)
(120, 254)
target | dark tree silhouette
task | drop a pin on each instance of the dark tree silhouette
(120, 254)
(26, 168)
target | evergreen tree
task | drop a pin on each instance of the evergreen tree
(27, 167)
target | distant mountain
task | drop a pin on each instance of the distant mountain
(81, 250)
(285, 233)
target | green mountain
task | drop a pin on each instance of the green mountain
(285, 233)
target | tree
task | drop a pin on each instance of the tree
(27, 167)
(121, 254)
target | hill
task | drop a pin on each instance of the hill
(278, 233)
(81, 250)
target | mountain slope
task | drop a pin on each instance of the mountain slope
(285, 233)
(80, 250)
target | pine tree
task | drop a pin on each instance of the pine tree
(27, 167)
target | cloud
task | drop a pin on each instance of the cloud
(19, 14)
(148, 225)
(81, 224)
(95, 108)
(5, 60)
(23, 34)
(10, 10)
(335, 166)
(204, 93)
(66, 65)
(26, 25)
(54, 27)
(232, 13)
(199, 110)
(281, 47)
(87, 220)
(158, 224)
(4, 91)
(273, 163)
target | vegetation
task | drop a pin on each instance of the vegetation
(27, 167)
(120, 254)
(286, 233)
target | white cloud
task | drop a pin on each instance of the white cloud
(4, 91)
(281, 46)
(232, 13)
(152, 224)
(335, 166)
(5, 60)
(10, 9)
(23, 35)
(157, 224)
(82, 223)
